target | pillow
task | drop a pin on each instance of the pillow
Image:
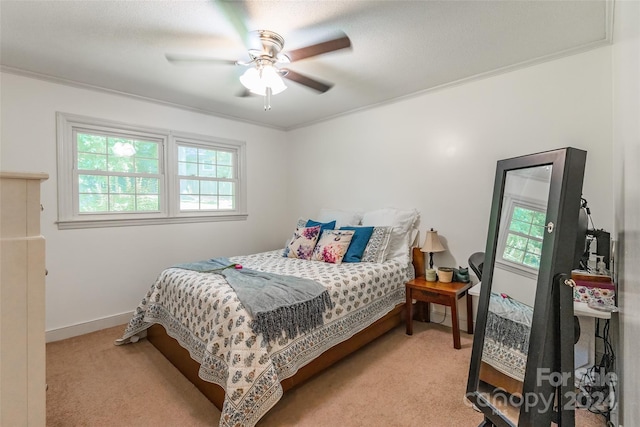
(403, 223)
(378, 246)
(400, 245)
(302, 222)
(332, 246)
(358, 244)
(401, 219)
(323, 225)
(342, 218)
(302, 243)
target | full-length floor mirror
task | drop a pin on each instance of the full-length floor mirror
(521, 370)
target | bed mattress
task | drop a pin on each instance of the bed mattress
(507, 333)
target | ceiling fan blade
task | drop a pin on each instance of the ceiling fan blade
(243, 93)
(197, 60)
(307, 81)
(236, 16)
(319, 48)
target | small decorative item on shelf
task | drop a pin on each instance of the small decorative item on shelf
(430, 275)
(445, 274)
(461, 275)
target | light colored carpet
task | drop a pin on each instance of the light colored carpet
(397, 380)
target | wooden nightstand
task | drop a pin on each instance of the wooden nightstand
(446, 294)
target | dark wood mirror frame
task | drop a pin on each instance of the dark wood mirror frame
(552, 334)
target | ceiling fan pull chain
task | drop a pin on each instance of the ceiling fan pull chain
(267, 99)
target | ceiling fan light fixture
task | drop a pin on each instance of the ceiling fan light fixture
(272, 79)
(258, 80)
(250, 78)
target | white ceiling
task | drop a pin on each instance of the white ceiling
(399, 48)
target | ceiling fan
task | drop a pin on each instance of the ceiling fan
(264, 76)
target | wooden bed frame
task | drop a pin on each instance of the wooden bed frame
(181, 359)
(492, 376)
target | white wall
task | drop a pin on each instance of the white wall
(98, 273)
(437, 152)
(626, 136)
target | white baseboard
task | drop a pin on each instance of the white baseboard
(123, 318)
(437, 314)
(88, 327)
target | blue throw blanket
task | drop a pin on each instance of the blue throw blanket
(276, 302)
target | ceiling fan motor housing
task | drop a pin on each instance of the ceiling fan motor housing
(272, 44)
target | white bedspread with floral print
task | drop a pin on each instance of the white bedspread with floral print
(203, 313)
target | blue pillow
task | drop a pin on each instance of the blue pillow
(358, 244)
(323, 225)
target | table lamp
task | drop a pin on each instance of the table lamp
(432, 244)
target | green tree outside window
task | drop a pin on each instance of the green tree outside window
(115, 174)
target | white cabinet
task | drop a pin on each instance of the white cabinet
(22, 299)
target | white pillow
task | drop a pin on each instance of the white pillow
(342, 218)
(403, 223)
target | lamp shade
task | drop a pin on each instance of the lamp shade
(251, 78)
(432, 242)
(273, 80)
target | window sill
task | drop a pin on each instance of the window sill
(103, 223)
(520, 270)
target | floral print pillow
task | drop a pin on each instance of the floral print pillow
(302, 243)
(332, 246)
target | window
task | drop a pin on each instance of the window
(207, 178)
(116, 173)
(520, 246)
(112, 174)
(524, 237)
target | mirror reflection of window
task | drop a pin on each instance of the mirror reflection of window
(520, 245)
(524, 240)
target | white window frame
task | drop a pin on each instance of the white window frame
(510, 203)
(199, 141)
(68, 210)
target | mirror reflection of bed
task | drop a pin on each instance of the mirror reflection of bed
(491, 377)
(504, 356)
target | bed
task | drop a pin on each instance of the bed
(196, 321)
(504, 355)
